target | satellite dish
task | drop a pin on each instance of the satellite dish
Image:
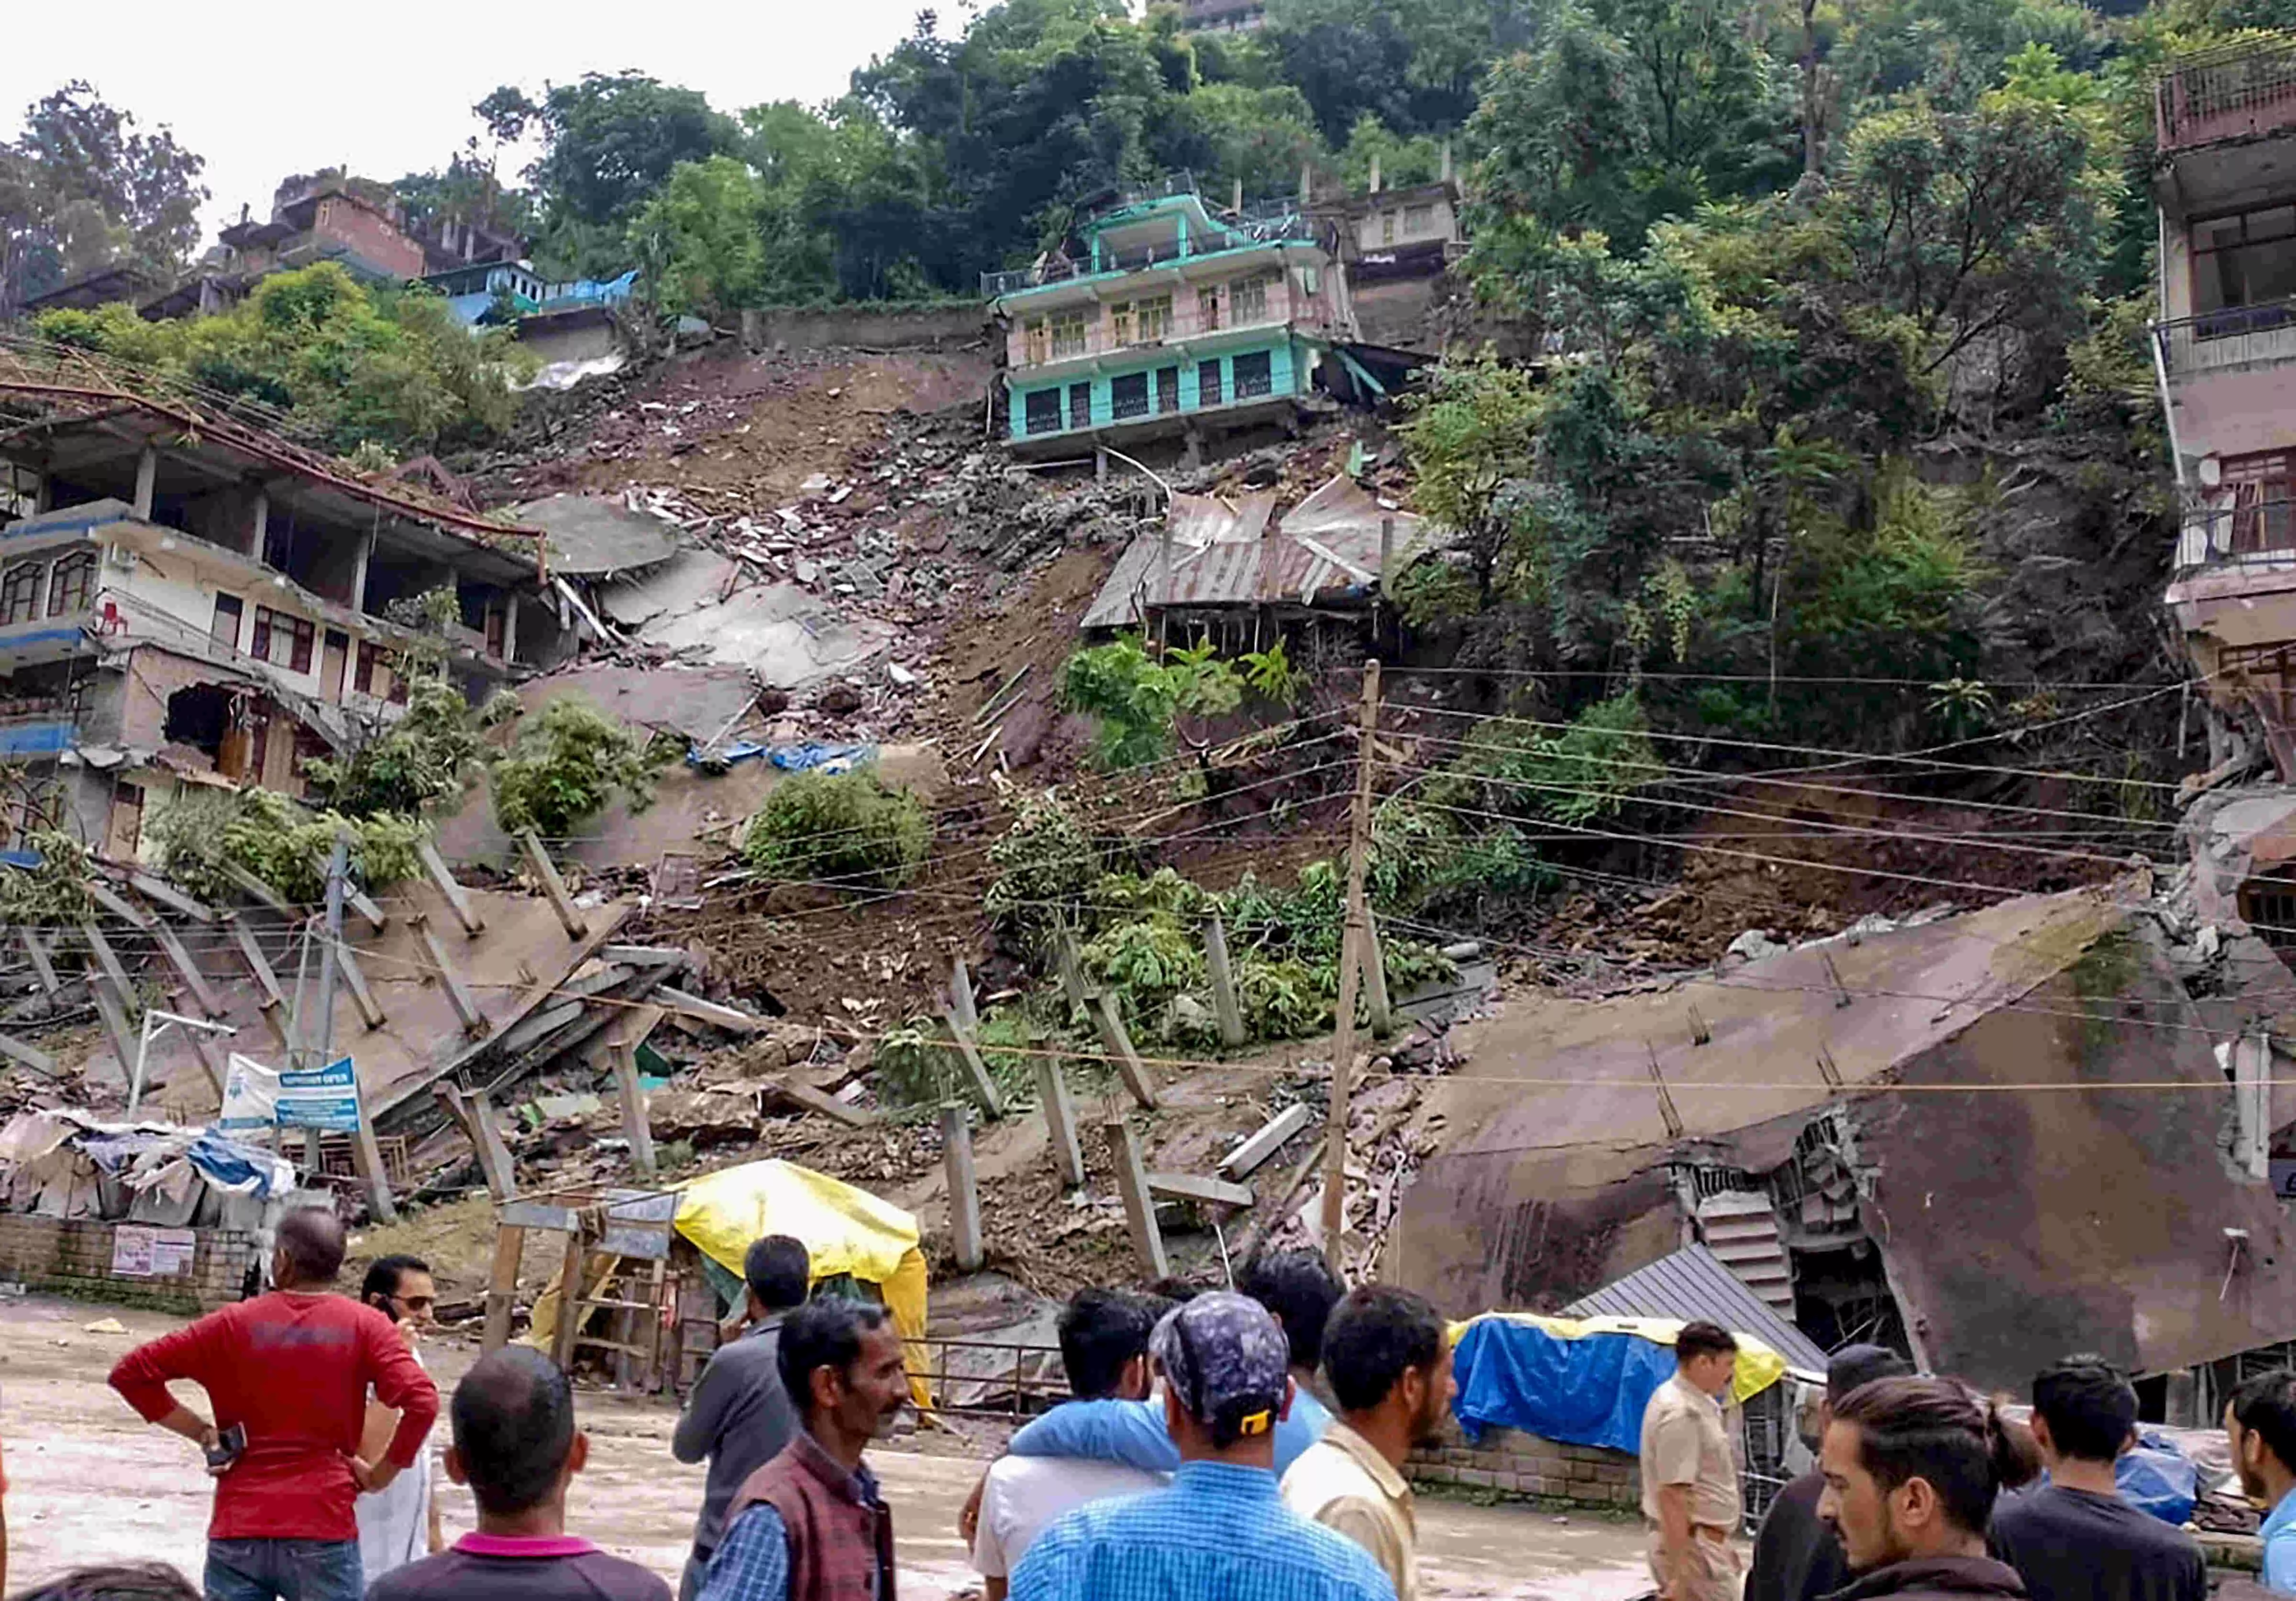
(2211, 471)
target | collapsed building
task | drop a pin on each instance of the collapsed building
(188, 599)
(1985, 1138)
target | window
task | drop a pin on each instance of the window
(1036, 345)
(2260, 496)
(19, 591)
(370, 655)
(1120, 324)
(1254, 375)
(1079, 406)
(1155, 318)
(1418, 221)
(1387, 227)
(1129, 394)
(1208, 319)
(1043, 408)
(1247, 301)
(1208, 383)
(2247, 259)
(1167, 389)
(1070, 335)
(281, 640)
(225, 629)
(70, 583)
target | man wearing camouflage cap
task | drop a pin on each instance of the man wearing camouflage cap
(1219, 1531)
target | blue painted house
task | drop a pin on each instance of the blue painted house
(1161, 318)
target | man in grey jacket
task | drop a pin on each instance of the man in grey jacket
(738, 1416)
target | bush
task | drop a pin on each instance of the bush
(847, 827)
(1137, 699)
(422, 762)
(199, 830)
(1046, 866)
(567, 763)
(56, 891)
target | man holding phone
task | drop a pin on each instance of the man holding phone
(288, 1374)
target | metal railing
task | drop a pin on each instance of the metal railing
(992, 1378)
(2263, 535)
(2236, 93)
(1100, 338)
(2238, 335)
(1280, 226)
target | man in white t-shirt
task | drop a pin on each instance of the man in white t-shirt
(399, 1524)
(1105, 1347)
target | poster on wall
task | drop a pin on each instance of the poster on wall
(132, 1245)
(325, 1098)
(172, 1251)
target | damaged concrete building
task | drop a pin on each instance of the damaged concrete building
(1986, 1138)
(185, 599)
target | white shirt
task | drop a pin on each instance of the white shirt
(394, 1525)
(1026, 1495)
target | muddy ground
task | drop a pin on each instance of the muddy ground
(88, 1483)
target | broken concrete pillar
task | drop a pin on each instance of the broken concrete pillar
(1139, 1205)
(259, 526)
(569, 916)
(147, 477)
(1060, 1119)
(1223, 977)
(963, 1188)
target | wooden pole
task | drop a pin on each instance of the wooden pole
(963, 1187)
(502, 1285)
(960, 996)
(625, 1060)
(1375, 979)
(1343, 1044)
(1223, 974)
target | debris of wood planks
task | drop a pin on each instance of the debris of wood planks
(457, 901)
(1007, 692)
(562, 901)
(709, 1011)
(1188, 1187)
(798, 1093)
(1271, 1138)
(502, 1286)
(167, 894)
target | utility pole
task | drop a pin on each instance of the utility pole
(366, 1153)
(1351, 956)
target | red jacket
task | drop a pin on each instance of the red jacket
(295, 1370)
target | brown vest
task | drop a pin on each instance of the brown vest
(839, 1544)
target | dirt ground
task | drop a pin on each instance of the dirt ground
(88, 1483)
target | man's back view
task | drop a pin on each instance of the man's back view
(2075, 1539)
(287, 1375)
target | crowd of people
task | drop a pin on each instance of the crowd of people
(1229, 1445)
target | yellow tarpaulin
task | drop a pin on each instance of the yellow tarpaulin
(1759, 1366)
(845, 1231)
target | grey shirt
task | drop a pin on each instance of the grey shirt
(740, 1417)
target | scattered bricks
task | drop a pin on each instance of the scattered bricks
(1480, 1477)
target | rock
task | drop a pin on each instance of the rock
(903, 679)
(1753, 945)
(838, 699)
(773, 702)
(701, 1117)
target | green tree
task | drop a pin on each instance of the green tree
(567, 763)
(82, 188)
(700, 241)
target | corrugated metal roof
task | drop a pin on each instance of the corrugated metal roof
(1225, 553)
(1693, 1283)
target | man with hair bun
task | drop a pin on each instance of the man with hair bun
(1911, 1468)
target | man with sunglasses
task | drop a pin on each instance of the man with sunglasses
(399, 1524)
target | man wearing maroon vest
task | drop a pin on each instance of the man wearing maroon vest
(810, 1525)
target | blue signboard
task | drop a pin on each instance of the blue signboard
(325, 1098)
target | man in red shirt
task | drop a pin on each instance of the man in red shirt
(291, 1369)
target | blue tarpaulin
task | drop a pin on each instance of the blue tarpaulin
(1588, 1390)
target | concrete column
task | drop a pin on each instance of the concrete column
(510, 626)
(358, 571)
(1374, 173)
(259, 526)
(147, 473)
(1446, 160)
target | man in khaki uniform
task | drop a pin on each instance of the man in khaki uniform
(1690, 1475)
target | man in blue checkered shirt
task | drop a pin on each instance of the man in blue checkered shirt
(1220, 1531)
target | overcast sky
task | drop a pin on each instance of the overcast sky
(262, 88)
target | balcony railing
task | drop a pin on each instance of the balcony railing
(2260, 534)
(2235, 337)
(1099, 336)
(1275, 228)
(2236, 93)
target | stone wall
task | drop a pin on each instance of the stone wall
(866, 326)
(1513, 1463)
(75, 1258)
